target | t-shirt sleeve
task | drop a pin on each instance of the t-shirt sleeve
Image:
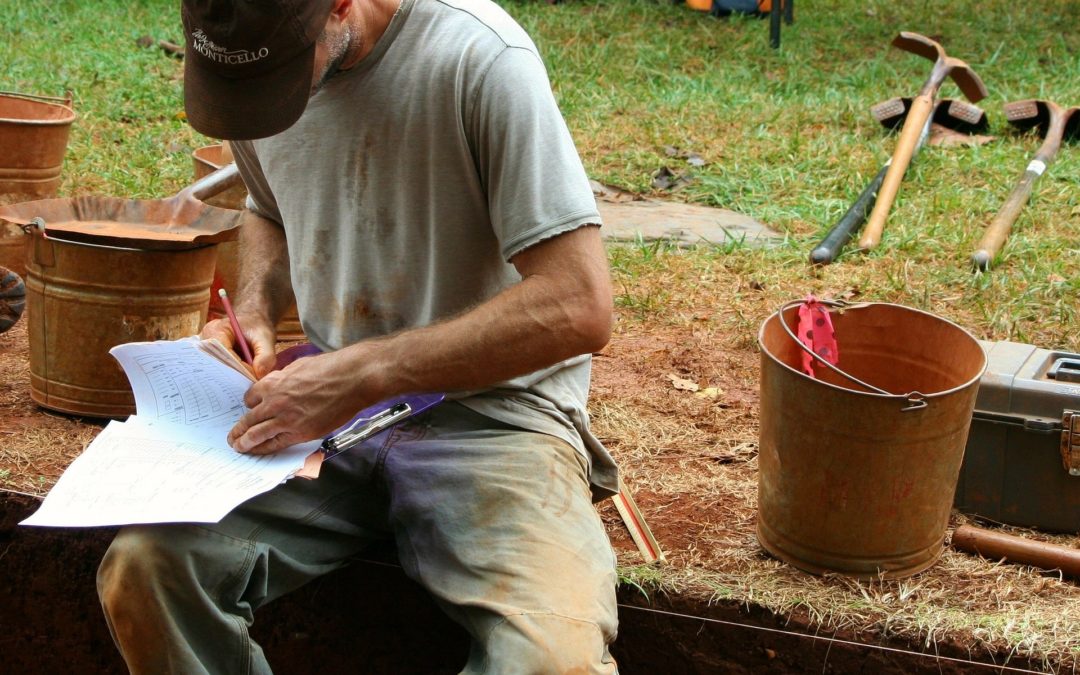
(260, 197)
(536, 185)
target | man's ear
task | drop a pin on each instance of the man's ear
(341, 9)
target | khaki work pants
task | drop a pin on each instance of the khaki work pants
(494, 521)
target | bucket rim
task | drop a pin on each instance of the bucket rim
(54, 238)
(885, 397)
(35, 99)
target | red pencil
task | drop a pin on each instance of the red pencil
(245, 350)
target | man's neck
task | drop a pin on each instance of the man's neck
(370, 19)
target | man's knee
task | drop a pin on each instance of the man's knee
(541, 643)
(127, 584)
(126, 562)
(135, 560)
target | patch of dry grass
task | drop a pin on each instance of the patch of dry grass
(692, 467)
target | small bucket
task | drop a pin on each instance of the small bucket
(33, 140)
(857, 467)
(83, 299)
(208, 159)
(34, 134)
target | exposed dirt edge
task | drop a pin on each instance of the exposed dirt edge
(370, 618)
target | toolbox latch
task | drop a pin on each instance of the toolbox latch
(1070, 441)
(1065, 370)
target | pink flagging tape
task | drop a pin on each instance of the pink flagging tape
(815, 330)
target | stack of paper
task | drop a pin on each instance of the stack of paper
(169, 462)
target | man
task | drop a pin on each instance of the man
(412, 181)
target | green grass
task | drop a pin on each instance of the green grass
(786, 133)
(130, 138)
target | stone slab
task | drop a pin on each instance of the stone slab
(681, 224)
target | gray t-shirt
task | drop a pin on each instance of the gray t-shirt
(412, 179)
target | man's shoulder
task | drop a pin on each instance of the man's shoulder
(484, 16)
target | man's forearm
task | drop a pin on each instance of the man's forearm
(265, 288)
(561, 308)
(554, 313)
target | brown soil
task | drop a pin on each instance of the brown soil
(688, 458)
(633, 377)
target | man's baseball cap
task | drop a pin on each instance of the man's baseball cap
(248, 64)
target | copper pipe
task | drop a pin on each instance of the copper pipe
(998, 546)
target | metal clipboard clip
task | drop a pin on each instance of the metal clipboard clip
(364, 428)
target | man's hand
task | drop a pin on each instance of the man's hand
(260, 336)
(560, 309)
(306, 400)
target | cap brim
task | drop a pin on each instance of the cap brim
(246, 109)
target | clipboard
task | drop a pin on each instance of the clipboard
(375, 419)
(369, 421)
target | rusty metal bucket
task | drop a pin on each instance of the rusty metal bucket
(207, 159)
(858, 481)
(83, 299)
(33, 140)
(103, 271)
(34, 134)
(176, 222)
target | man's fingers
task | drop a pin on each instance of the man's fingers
(265, 361)
(238, 430)
(272, 445)
(258, 438)
(252, 397)
(218, 329)
(254, 416)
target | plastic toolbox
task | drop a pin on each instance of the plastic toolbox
(1022, 461)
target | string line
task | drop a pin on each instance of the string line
(831, 640)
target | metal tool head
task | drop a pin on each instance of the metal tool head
(961, 116)
(921, 45)
(944, 66)
(1039, 114)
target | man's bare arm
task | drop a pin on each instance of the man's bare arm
(561, 308)
(264, 288)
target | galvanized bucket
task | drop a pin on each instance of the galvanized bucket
(208, 159)
(83, 299)
(34, 134)
(857, 467)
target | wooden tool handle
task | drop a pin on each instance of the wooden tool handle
(998, 230)
(921, 108)
(996, 546)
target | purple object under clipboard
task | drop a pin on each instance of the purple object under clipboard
(369, 421)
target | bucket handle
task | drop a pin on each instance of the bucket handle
(66, 99)
(37, 222)
(914, 400)
(43, 252)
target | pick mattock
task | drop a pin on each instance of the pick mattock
(954, 114)
(1056, 124)
(921, 108)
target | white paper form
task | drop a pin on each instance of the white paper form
(170, 462)
(132, 473)
(177, 382)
